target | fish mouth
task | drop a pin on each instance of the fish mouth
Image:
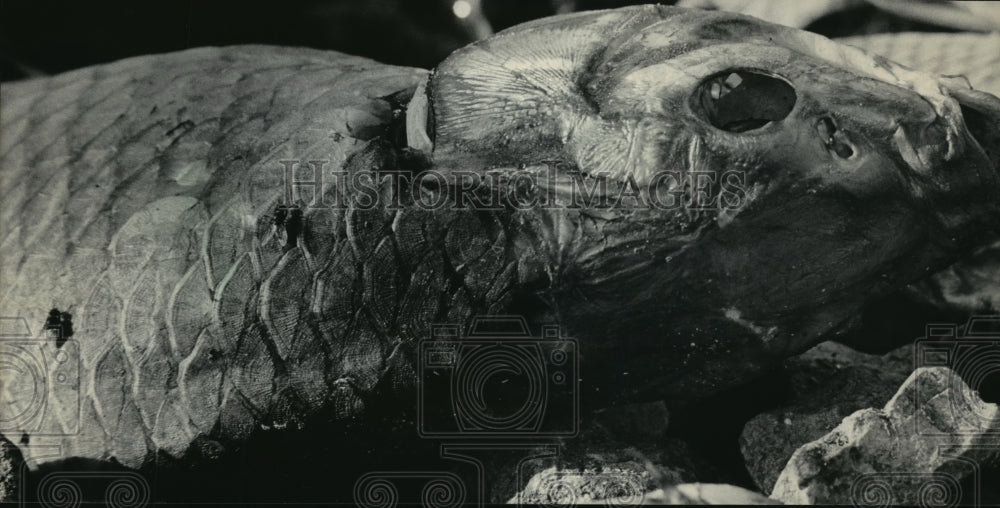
(968, 194)
(963, 135)
(981, 119)
(981, 115)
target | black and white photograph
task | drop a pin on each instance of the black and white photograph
(467, 253)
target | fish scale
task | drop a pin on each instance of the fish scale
(198, 326)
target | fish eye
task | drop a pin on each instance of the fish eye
(743, 100)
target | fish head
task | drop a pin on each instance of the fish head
(833, 177)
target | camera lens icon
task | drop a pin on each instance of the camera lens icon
(974, 358)
(23, 388)
(558, 357)
(978, 367)
(39, 382)
(609, 487)
(490, 368)
(498, 383)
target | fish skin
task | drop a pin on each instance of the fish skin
(918, 190)
(138, 197)
(143, 194)
(969, 286)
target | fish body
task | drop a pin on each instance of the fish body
(152, 200)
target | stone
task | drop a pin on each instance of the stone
(11, 467)
(623, 487)
(635, 422)
(626, 481)
(918, 449)
(591, 471)
(705, 493)
(622, 452)
(827, 383)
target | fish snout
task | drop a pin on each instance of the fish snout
(962, 131)
(926, 145)
(980, 113)
(953, 161)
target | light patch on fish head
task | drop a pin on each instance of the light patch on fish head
(765, 334)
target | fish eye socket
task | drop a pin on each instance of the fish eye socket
(743, 100)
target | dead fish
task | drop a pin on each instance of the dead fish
(151, 198)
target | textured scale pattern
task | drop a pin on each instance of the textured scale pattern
(144, 207)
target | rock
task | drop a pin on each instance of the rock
(618, 444)
(11, 466)
(828, 382)
(916, 450)
(634, 422)
(705, 493)
(621, 487)
(972, 284)
(627, 482)
(622, 452)
(813, 368)
(590, 472)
